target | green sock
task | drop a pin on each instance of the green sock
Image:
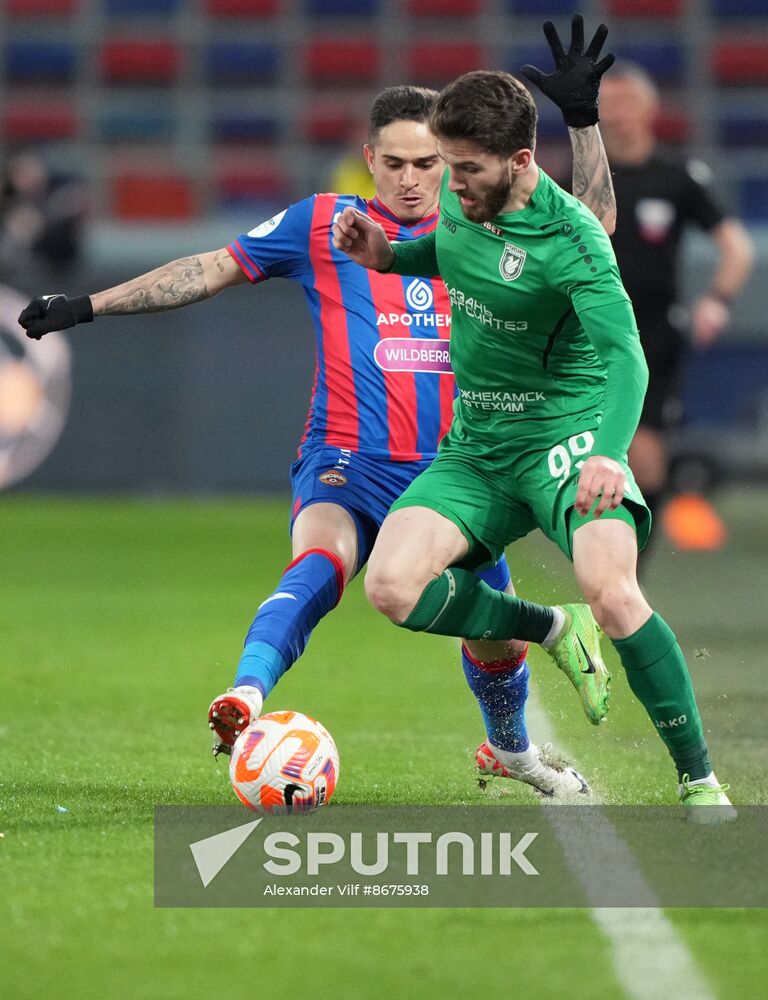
(459, 603)
(659, 678)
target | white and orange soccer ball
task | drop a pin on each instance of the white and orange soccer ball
(284, 762)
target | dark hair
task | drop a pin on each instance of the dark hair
(489, 108)
(396, 104)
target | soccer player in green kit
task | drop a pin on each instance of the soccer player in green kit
(551, 380)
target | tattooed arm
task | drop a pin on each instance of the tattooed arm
(179, 283)
(592, 182)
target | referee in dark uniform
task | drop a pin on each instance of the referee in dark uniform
(656, 199)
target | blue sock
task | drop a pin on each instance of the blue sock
(501, 689)
(309, 588)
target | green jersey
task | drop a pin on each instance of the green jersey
(542, 329)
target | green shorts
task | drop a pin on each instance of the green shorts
(496, 494)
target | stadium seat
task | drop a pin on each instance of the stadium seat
(354, 60)
(537, 8)
(743, 129)
(672, 126)
(444, 8)
(741, 62)
(28, 62)
(328, 123)
(147, 197)
(30, 120)
(244, 127)
(140, 61)
(740, 8)
(250, 182)
(242, 8)
(645, 8)
(141, 125)
(665, 62)
(754, 199)
(143, 8)
(242, 62)
(40, 8)
(440, 62)
(341, 8)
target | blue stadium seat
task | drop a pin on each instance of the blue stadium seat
(341, 8)
(244, 127)
(754, 199)
(743, 127)
(242, 62)
(27, 62)
(137, 126)
(740, 8)
(665, 62)
(144, 8)
(548, 8)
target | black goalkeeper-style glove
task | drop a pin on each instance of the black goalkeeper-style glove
(575, 84)
(47, 313)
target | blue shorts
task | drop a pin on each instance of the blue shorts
(366, 488)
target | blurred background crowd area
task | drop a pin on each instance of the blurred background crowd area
(183, 109)
(136, 131)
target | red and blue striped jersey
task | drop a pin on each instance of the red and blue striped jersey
(383, 383)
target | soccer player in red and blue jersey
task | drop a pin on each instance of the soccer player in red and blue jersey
(382, 399)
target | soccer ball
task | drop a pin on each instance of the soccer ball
(284, 762)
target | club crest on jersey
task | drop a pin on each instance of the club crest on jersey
(511, 263)
(333, 478)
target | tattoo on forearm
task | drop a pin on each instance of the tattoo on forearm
(591, 174)
(176, 284)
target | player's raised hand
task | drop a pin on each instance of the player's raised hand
(600, 477)
(47, 313)
(575, 84)
(362, 239)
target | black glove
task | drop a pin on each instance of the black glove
(47, 313)
(575, 83)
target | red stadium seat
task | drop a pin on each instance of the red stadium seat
(242, 8)
(444, 8)
(249, 177)
(39, 8)
(645, 8)
(354, 60)
(144, 197)
(741, 62)
(128, 61)
(673, 126)
(440, 62)
(328, 123)
(31, 119)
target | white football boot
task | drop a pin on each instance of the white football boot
(536, 766)
(230, 713)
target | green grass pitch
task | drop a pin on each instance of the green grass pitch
(120, 620)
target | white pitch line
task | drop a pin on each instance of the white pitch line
(649, 956)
